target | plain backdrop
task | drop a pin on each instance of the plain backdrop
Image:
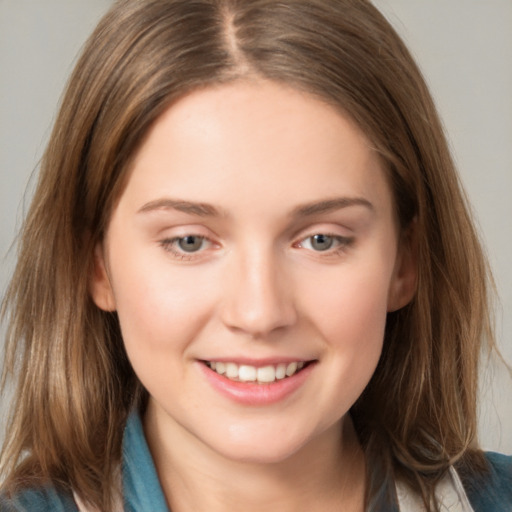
(464, 48)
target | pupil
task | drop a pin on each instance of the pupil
(190, 243)
(321, 242)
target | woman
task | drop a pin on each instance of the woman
(248, 277)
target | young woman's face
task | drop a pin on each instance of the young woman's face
(252, 259)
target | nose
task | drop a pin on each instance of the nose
(258, 297)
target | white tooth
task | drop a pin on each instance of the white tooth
(300, 365)
(213, 365)
(220, 368)
(281, 371)
(291, 369)
(247, 373)
(232, 370)
(266, 374)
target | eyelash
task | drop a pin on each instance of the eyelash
(342, 244)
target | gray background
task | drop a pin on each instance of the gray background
(463, 46)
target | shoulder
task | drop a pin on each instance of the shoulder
(45, 499)
(492, 490)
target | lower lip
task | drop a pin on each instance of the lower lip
(250, 393)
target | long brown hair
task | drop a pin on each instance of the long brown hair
(74, 384)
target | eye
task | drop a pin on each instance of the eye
(184, 246)
(190, 243)
(320, 242)
(323, 242)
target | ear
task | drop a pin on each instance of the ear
(99, 283)
(404, 281)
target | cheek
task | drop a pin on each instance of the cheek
(159, 310)
(351, 319)
(352, 305)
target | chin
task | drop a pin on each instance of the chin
(260, 447)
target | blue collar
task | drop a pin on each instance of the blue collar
(141, 487)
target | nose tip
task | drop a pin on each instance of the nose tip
(258, 301)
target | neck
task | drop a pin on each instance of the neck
(326, 474)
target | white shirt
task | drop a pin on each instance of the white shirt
(449, 492)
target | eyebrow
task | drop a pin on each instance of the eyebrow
(208, 210)
(190, 207)
(330, 205)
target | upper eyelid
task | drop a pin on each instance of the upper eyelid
(181, 231)
(323, 224)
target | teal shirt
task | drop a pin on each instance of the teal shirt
(143, 493)
(141, 487)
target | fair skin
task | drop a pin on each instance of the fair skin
(256, 229)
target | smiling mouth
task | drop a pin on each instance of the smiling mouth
(259, 375)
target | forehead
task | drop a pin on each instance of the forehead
(237, 143)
